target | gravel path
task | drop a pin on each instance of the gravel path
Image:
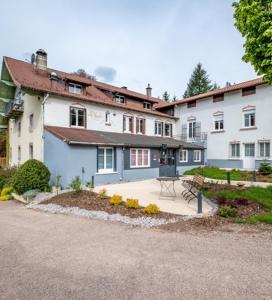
(49, 256)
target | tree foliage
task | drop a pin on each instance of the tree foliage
(84, 74)
(253, 18)
(166, 96)
(199, 82)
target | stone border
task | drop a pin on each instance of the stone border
(102, 215)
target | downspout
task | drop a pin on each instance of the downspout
(43, 103)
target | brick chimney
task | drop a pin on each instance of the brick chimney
(41, 60)
(149, 90)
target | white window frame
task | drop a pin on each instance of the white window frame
(236, 146)
(137, 158)
(120, 99)
(194, 123)
(246, 144)
(140, 129)
(249, 113)
(265, 156)
(105, 169)
(147, 105)
(127, 123)
(107, 118)
(158, 124)
(197, 155)
(182, 157)
(74, 88)
(218, 119)
(170, 129)
(84, 117)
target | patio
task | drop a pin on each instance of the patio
(148, 191)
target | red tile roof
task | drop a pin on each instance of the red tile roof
(227, 89)
(24, 75)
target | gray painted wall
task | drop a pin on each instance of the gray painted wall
(138, 174)
(153, 163)
(226, 163)
(190, 161)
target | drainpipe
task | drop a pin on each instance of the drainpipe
(43, 103)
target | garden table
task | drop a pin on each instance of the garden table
(168, 186)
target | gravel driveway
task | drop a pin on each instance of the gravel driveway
(46, 256)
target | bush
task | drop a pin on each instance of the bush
(103, 194)
(152, 209)
(31, 175)
(76, 184)
(6, 176)
(7, 190)
(116, 200)
(132, 203)
(227, 212)
(265, 169)
(265, 218)
(31, 194)
(5, 198)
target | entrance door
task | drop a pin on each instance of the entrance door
(249, 157)
(167, 162)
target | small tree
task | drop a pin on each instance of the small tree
(199, 82)
(76, 184)
(84, 74)
(166, 96)
(254, 21)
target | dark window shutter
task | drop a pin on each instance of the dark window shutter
(198, 129)
(114, 159)
(143, 126)
(85, 117)
(184, 131)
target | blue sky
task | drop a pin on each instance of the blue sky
(129, 42)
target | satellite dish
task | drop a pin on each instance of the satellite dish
(33, 57)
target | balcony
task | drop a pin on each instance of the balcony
(199, 138)
(14, 108)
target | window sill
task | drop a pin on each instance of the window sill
(80, 127)
(106, 173)
(139, 167)
(248, 128)
(108, 124)
(234, 158)
(183, 161)
(218, 131)
(197, 161)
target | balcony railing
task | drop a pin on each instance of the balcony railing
(14, 108)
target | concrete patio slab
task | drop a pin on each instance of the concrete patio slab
(148, 191)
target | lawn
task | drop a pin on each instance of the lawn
(221, 174)
(259, 195)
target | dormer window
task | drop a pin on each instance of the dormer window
(75, 89)
(120, 99)
(147, 105)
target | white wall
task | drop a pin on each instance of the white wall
(57, 113)
(31, 105)
(218, 144)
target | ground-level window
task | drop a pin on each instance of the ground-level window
(139, 158)
(140, 125)
(105, 159)
(128, 124)
(30, 151)
(235, 150)
(197, 155)
(264, 149)
(158, 127)
(183, 155)
(77, 117)
(250, 149)
(168, 129)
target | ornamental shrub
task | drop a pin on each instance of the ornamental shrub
(103, 194)
(116, 200)
(76, 184)
(5, 198)
(227, 212)
(6, 176)
(151, 209)
(265, 169)
(7, 190)
(33, 174)
(132, 203)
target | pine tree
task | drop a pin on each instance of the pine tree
(199, 82)
(166, 96)
(174, 98)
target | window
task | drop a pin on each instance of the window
(31, 122)
(168, 129)
(19, 154)
(140, 126)
(107, 118)
(105, 159)
(119, 99)
(30, 151)
(250, 150)
(218, 123)
(249, 91)
(235, 150)
(191, 104)
(139, 158)
(19, 129)
(192, 129)
(197, 155)
(218, 98)
(77, 117)
(158, 127)
(249, 119)
(147, 105)
(75, 89)
(128, 124)
(183, 155)
(264, 149)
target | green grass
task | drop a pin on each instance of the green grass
(262, 196)
(216, 173)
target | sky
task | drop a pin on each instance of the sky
(127, 42)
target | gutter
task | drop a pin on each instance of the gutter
(42, 147)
